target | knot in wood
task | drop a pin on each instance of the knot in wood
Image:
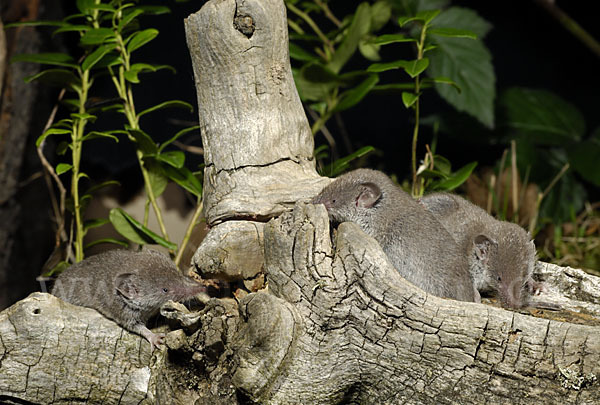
(244, 24)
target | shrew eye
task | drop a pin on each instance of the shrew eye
(165, 290)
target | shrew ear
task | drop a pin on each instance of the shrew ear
(126, 285)
(369, 194)
(482, 245)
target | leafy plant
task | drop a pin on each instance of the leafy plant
(319, 79)
(550, 135)
(414, 68)
(328, 90)
(108, 34)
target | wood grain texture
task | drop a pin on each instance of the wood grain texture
(355, 330)
(257, 142)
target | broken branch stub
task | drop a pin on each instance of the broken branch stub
(257, 142)
(356, 331)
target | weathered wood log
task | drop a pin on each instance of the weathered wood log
(346, 327)
(258, 147)
(337, 324)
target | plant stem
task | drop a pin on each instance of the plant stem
(188, 232)
(571, 25)
(328, 13)
(416, 190)
(125, 92)
(77, 146)
(312, 25)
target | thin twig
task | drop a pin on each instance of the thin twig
(571, 25)
(58, 209)
(514, 180)
(499, 188)
(328, 136)
(490, 196)
(312, 25)
(197, 150)
(188, 233)
(328, 13)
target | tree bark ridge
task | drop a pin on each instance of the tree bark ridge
(367, 335)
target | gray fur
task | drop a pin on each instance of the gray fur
(125, 286)
(417, 245)
(501, 254)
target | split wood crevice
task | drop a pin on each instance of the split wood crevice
(336, 323)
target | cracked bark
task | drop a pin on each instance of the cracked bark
(337, 323)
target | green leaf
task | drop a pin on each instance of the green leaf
(97, 36)
(83, 117)
(51, 131)
(297, 53)
(442, 164)
(314, 81)
(56, 59)
(57, 77)
(97, 187)
(416, 67)
(97, 134)
(109, 59)
(456, 179)
(382, 67)
(141, 38)
(94, 223)
(425, 17)
(342, 164)
(144, 141)
(393, 88)
(59, 268)
(134, 231)
(392, 38)
(185, 178)
(321, 152)
(167, 104)
(96, 56)
(441, 80)
(432, 174)
(62, 148)
(131, 75)
(412, 67)
(128, 16)
(85, 6)
(352, 97)
(381, 11)
(177, 135)
(35, 24)
(369, 50)
(556, 207)
(467, 63)
(63, 168)
(156, 10)
(358, 28)
(103, 7)
(156, 175)
(452, 32)
(541, 116)
(106, 240)
(409, 99)
(71, 27)
(174, 158)
(584, 157)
